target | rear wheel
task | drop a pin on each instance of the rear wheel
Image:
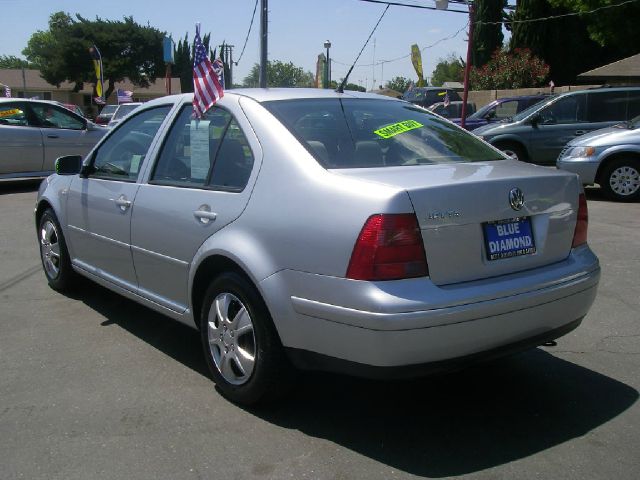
(620, 180)
(54, 253)
(241, 346)
(513, 150)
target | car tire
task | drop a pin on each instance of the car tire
(241, 346)
(620, 180)
(54, 254)
(513, 150)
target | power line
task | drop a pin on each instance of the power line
(255, 7)
(464, 28)
(563, 15)
(423, 7)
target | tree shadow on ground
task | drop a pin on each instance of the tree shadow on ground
(449, 425)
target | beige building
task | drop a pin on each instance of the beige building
(28, 83)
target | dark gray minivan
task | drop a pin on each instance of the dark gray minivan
(539, 133)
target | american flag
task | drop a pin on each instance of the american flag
(7, 91)
(447, 101)
(208, 79)
(124, 96)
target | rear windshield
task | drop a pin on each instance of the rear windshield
(108, 109)
(124, 110)
(361, 133)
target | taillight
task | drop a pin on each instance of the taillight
(389, 247)
(580, 233)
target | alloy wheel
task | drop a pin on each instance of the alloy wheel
(232, 343)
(50, 248)
(624, 180)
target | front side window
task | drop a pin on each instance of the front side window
(360, 133)
(121, 156)
(212, 152)
(570, 109)
(13, 114)
(50, 116)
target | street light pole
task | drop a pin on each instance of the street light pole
(467, 69)
(263, 43)
(327, 66)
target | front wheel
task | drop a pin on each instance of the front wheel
(620, 180)
(241, 346)
(512, 150)
(54, 253)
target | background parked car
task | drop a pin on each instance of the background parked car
(609, 157)
(453, 110)
(539, 133)
(105, 114)
(237, 224)
(427, 96)
(499, 110)
(33, 133)
(74, 108)
(121, 112)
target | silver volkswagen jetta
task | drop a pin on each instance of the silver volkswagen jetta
(309, 229)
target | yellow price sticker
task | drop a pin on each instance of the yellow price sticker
(8, 113)
(397, 128)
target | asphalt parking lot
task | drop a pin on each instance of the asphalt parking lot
(93, 386)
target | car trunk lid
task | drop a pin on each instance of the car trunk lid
(461, 207)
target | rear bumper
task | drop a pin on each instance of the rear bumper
(410, 323)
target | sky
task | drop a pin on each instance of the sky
(297, 30)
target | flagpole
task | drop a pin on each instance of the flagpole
(467, 69)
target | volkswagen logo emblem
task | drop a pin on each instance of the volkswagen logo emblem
(516, 198)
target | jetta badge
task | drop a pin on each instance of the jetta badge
(516, 198)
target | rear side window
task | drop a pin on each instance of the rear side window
(506, 109)
(13, 114)
(607, 106)
(211, 153)
(361, 133)
(633, 108)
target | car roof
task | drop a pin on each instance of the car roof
(270, 94)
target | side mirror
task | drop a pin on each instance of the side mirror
(69, 165)
(535, 120)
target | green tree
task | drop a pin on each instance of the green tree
(519, 69)
(450, 69)
(399, 84)
(11, 61)
(280, 74)
(612, 28)
(128, 50)
(552, 39)
(487, 32)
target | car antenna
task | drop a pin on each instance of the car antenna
(340, 89)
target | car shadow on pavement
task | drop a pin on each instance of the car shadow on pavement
(175, 339)
(439, 426)
(22, 186)
(458, 423)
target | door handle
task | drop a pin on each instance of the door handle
(51, 135)
(122, 202)
(204, 214)
(581, 132)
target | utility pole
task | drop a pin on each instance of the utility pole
(263, 43)
(467, 68)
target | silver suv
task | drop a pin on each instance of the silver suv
(609, 157)
(539, 133)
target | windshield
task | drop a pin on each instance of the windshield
(361, 133)
(108, 109)
(533, 108)
(479, 115)
(634, 122)
(124, 110)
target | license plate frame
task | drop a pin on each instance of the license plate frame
(508, 238)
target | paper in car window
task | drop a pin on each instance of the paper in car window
(135, 164)
(199, 149)
(397, 128)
